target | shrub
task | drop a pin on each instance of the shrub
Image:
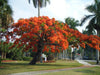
(50, 57)
(27, 58)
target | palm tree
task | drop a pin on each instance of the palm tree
(5, 14)
(39, 4)
(5, 20)
(94, 23)
(72, 23)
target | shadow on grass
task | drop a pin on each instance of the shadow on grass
(50, 65)
(26, 64)
(43, 64)
(15, 64)
(86, 71)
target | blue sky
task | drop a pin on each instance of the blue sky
(59, 9)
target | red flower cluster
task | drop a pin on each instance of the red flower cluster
(51, 34)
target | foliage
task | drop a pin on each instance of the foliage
(50, 57)
(5, 14)
(72, 23)
(42, 3)
(4, 47)
(89, 32)
(44, 34)
(48, 33)
(13, 53)
(5, 20)
(94, 22)
(90, 53)
(17, 53)
(27, 58)
(39, 4)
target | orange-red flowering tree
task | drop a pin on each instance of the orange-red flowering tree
(44, 34)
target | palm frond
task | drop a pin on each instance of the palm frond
(29, 1)
(9, 10)
(41, 3)
(91, 24)
(91, 8)
(96, 1)
(46, 2)
(85, 19)
(35, 3)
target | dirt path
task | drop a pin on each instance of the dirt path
(49, 71)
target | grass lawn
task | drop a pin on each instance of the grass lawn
(94, 63)
(86, 71)
(23, 66)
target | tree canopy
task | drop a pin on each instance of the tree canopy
(50, 32)
(72, 23)
(44, 34)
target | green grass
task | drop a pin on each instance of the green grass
(23, 66)
(85, 71)
(94, 63)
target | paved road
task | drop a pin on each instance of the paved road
(83, 62)
(90, 60)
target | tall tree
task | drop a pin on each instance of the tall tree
(72, 23)
(94, 23)
(5, 14)
(4, 49)
(54, 37)
(5, 20)
(39, 4)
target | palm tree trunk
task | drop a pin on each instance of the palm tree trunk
(38, 8)
(97, 51)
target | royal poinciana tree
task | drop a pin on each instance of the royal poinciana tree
(45, 34)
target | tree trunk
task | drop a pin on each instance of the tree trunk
(34, 60)
(41, 57)
(97, 51)
(63, 54)
(2, 55)
(97, 56)
(38, 8)
(82, 54)
(38, 54)
(71, 56)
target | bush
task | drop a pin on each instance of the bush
(7, 59)
(50, 57)
(27, 58)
